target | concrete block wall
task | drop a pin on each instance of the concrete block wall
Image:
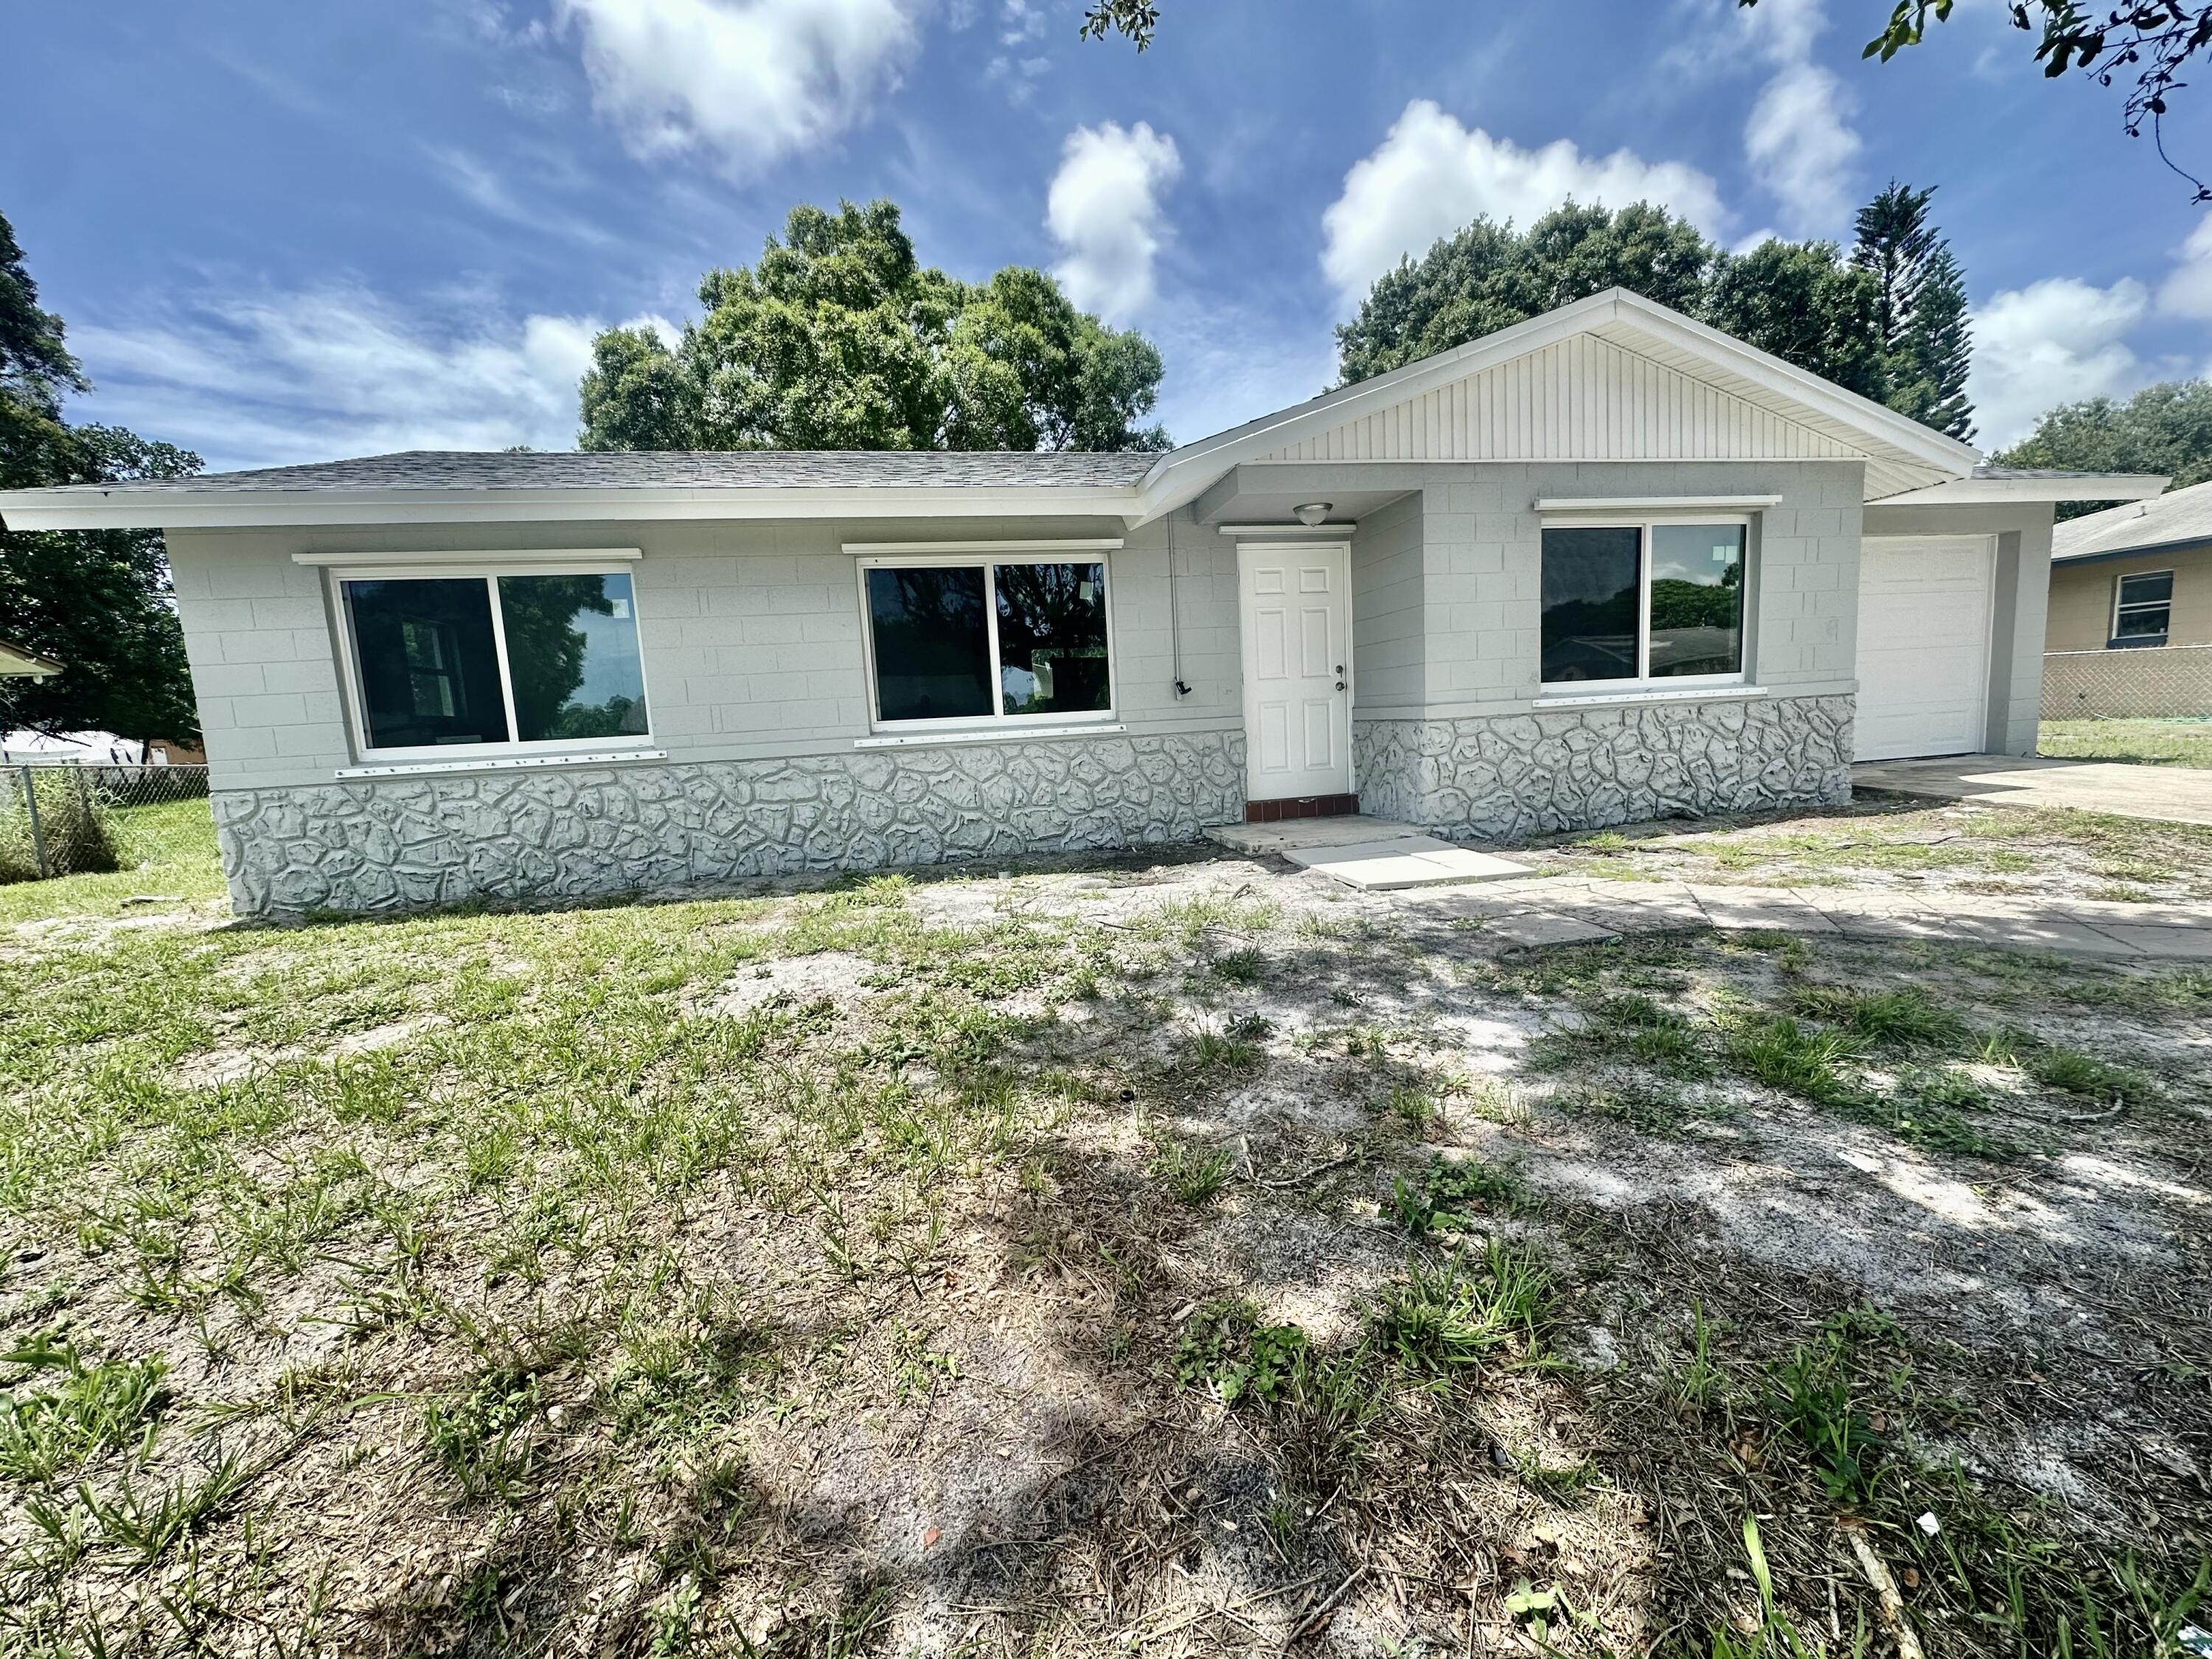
(1482, 571)
(750, 632)
(1389, 628)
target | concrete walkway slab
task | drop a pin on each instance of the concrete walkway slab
(2171, 794)
(1404, 861)
(1541, 928)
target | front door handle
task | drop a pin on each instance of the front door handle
(1340, 676)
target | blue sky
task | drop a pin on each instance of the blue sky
(284, 233)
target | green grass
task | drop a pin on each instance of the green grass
(2180, 742)
(1454, 1192)
(1225, 1350)
(531, 1277)
(1440, 1319)
(63, 1410)
(168, 850)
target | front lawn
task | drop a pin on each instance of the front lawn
(1109, 1256)
(2155, 743)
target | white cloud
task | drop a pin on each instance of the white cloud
(282, 377)
(2187, 291)
(1104, 210)
(1801, 145)
(752, 80)
(1431, 176)
(2051, 343)
(1798, 140)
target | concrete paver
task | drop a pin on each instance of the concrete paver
(1539, 927)
(1406, 861)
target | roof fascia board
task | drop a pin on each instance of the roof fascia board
(180, 510)
(1171, 483)
(2202, 542)
(1989, 492)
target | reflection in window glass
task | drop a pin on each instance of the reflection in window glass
(2146, 606)
(1590, 579)
(933, 643)
(430, 670)
(1052, 638)
(1697, 598)
(572, 657)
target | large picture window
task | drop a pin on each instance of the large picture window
(511, 661)
(1630, 604)
(988, 640)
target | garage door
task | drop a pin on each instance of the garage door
(1923, 645)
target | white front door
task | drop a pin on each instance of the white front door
(1296, 602)
(1923, 667)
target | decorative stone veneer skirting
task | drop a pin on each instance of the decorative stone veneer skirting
(585, 832)
(1501, 777)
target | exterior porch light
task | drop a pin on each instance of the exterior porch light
(1313, 513)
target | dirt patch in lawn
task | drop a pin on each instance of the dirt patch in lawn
(1185, 1252)
(1894, 843)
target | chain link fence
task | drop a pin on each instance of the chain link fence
(71, 818)
(2159, 682)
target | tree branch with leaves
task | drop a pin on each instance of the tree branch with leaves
(2156, 38)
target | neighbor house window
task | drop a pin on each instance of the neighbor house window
(2142, 605)
(1652, 601)
(515, 660)
(990, 639)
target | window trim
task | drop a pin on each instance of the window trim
(488, 569)
(997, 720)
(2119, 587)
(1643, 523)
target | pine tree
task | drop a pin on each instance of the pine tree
(1921, 309)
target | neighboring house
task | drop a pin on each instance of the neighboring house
(16, 663)
(2130, 630)
(1607, 565)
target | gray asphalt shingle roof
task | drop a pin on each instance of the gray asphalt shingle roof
(2180, 515)
(765, 469)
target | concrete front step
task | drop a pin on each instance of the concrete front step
(1376, 854)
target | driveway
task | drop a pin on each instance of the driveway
(2171, 794)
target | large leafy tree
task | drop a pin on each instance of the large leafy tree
(840, 338)
(1808, 303)
(1490, 276)
(2162, 428)
(98, 601)
(2155, 38)
(1920, 308)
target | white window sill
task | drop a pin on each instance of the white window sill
(1647, 694)
(499, 763)
(1008, 732)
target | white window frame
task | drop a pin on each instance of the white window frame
(965, 559)
(1644, 680)
(488, 572)
(2120, 587)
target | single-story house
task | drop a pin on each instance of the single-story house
(1605, 566)
(2130, 629)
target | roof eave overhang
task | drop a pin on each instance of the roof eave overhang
(1181, 475)
(184, 509)
(1990, 492)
